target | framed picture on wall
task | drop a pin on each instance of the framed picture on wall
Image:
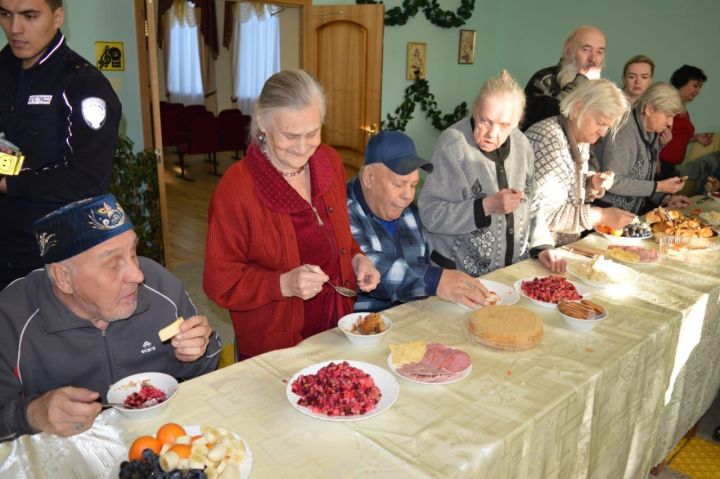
(416, 60)
(466, 52)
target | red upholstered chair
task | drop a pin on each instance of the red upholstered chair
(170, 121)
(234, 131)
(203, 139)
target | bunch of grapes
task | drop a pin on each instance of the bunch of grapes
(637, 230)
(148, 467)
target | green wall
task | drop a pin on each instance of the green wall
(108, 20)
(526, 35)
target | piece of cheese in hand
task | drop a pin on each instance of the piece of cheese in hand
(171, 330)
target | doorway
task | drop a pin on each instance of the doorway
(184, 204)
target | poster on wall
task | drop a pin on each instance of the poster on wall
(110, 56)
(466, 53)
(416, 60)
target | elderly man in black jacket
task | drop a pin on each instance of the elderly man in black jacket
(583, 59)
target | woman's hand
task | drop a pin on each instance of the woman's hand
(703, 138)
(678, 201)
(603, 180)
(671, 185)
(552, 261)
(366, 274)
(615, 217)
(503, 202)
(665, 137)
(304, 282)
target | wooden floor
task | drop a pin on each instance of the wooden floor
(187, 203)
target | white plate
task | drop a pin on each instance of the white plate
(389, 390)
(192, 430)
(713, 197)
(507, 294)
(624, 240)
(630, 276)
(637, 263)
(465, 373)
(581, 289)
(708, 218)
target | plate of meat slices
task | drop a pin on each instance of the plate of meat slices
(342, 390)
(633, 254)
(429, 363)
(549, 290)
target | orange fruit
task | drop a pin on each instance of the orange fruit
(182, 450)
(142, 443)
(168, 433)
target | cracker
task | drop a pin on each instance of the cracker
(171, 330)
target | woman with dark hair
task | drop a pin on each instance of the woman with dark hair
(689, 81)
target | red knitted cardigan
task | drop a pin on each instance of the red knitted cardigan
(251, 242)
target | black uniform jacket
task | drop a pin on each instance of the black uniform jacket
(64, 115)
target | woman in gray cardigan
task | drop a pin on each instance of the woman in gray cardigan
(478, 207)
(633, 154)
(566, 185)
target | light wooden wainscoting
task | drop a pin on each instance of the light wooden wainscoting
(188, 202)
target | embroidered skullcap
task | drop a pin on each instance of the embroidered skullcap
(79, 226)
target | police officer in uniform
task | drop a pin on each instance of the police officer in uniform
(63, 115)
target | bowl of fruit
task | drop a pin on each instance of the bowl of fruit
(143, 395)
(632, 234)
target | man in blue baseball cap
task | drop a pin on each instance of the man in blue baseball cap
(90, 318)
(385, 223)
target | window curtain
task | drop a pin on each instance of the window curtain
(183, 73)
(256, 51)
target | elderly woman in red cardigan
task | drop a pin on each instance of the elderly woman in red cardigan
(278, 226)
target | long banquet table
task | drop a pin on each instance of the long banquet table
(606, 403)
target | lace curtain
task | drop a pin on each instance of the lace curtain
(184, 75)
(256, 51)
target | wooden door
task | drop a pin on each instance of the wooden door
(150, 101)
(343, 49)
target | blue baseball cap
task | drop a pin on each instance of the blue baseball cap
(79, 226)
(395, 150)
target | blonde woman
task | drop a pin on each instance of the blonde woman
(637, 76)
(478, 207)
(633, 154)
(562, 149)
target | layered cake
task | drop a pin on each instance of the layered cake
(510, 328)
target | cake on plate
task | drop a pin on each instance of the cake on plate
(510, 328)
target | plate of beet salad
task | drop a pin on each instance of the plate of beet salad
(548, 291)
(341, 390)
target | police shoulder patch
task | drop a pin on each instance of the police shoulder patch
(94, 112)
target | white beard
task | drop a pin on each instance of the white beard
(568, 72)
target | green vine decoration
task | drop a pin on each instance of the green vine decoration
(419, 92)
(436, 15)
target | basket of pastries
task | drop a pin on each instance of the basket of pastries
(674, 223)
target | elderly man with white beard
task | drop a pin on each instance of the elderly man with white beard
(583, 59)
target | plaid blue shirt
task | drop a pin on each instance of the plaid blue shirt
(402, 258)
